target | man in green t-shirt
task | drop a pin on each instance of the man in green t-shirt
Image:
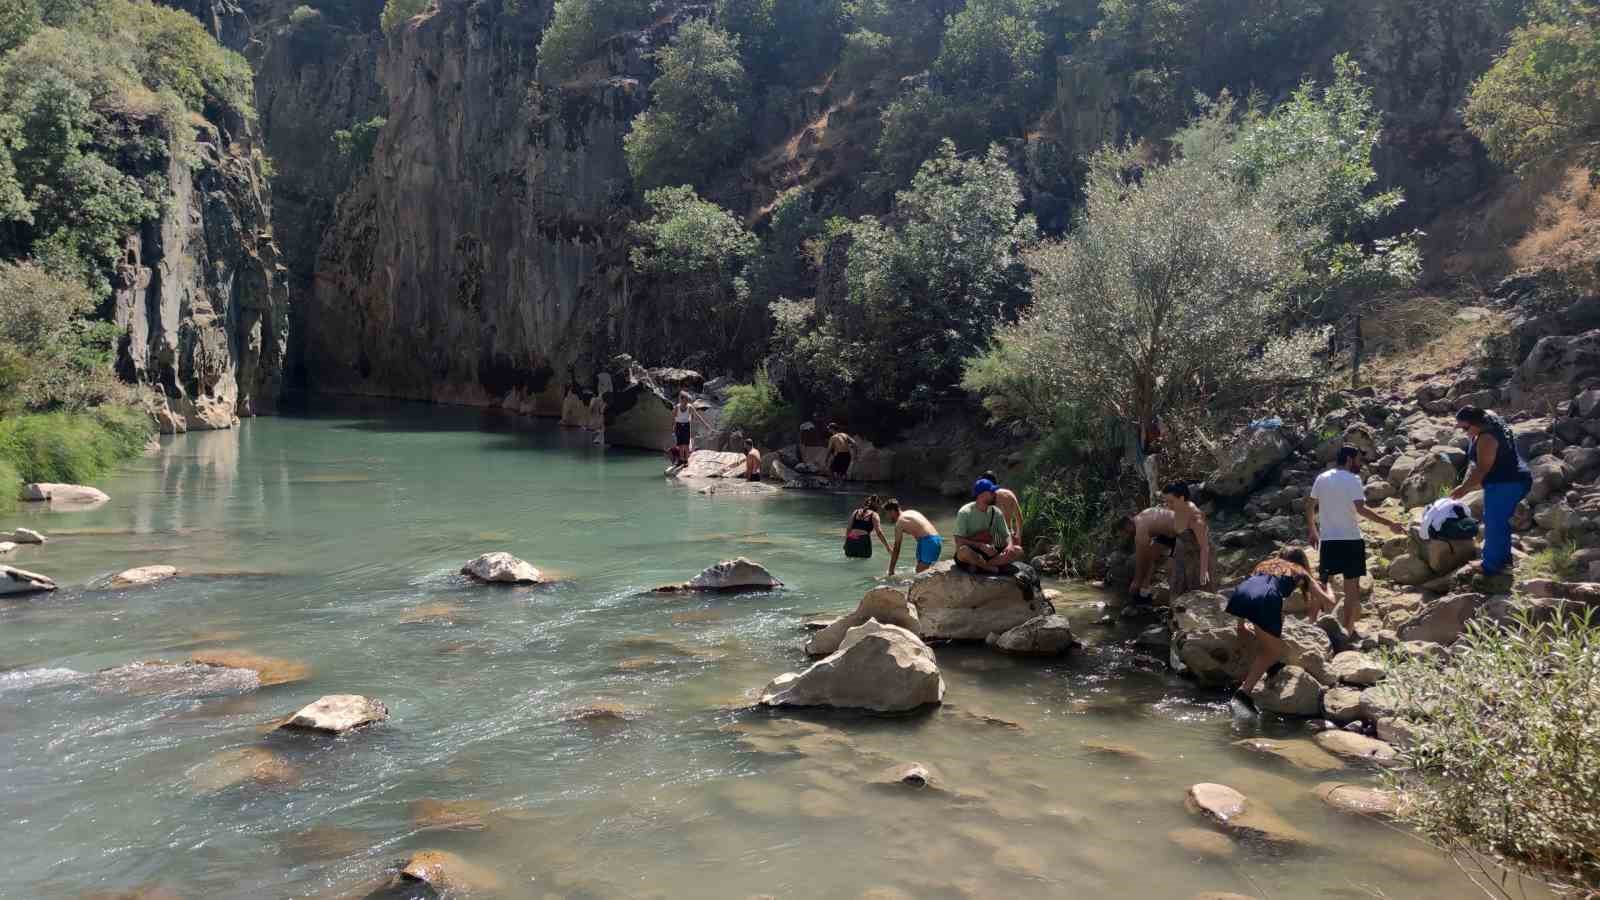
(983, 540)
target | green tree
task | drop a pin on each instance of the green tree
(357, 143)
(702, 251)
(399, 12)
(19, 19)
(996, 49)
(696, 119)
(578, 27)
(1541, 98)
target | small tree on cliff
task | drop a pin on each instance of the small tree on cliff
(696, 119)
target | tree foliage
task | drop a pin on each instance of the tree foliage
(399, 12)
(357, 143)
(576, 30)
(51, 354)
(696, 118)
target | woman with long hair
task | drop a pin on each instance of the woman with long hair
(1258, 601)
(1499, 469)
(863, 524)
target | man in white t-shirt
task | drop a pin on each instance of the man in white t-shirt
(1337, 498)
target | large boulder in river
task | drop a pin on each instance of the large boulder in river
(715, 472)
(338, 713)
(501, 567)
(67, 495)
(888, 605)
(1039, 636)
(1205, 640)
(141, 576)
(21, 581)
(1248, 461)
(728, 576)
(953, 605)
(882, 668)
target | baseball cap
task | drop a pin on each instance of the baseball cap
(983, 486)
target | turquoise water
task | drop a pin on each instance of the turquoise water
(332, 541)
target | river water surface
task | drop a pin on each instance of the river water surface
(332, 541)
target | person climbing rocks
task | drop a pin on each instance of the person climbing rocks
(862, 525)
(597, 419)
(910, 522)
(683, 416)
(1177, 530)
(751, 463)
(1337, 498)
(1499, 469)
(839, 447)
(1010, 507)
(983, 539)
(1258, 601)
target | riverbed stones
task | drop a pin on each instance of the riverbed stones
(1357, 747)
(1441, 620)
(888, 605)
(1298, 753)
(1039, 636)
(883, 668)
(15, 581)
(447, 872)
(1359, 799)
(1242, 818)
(25, 536)
(70, 496)
(953, 605)
(1206, 642)
(1342, 705)
(1291, 691)
(159, 677)
(1202, 843)
(243, 765)
(728, 576)
(271, 670)
(337, 714)
(142, 576)
(1355, 668)
(500, 567)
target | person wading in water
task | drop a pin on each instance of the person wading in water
(863, 524)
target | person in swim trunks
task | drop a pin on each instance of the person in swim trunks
(908, 521)
(1258, 602)
(839, 446)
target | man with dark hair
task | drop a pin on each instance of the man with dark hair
(839, 446)
(1337, 497)
(983, 540)
(910, 522)
(1010, 507)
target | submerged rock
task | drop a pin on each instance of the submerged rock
(1039, 636)
(953, 605)
(21, 581)
(271, 670)
(446, 871)
(68, 495)
(337, 714)
(1349, 745)
(1300, 754)
(878, 667)
(1358, 799)
(255, 765)
(177, 679)
(464, 815)
(730, 575)
(888, 605)
(913, 775)
(500, 567)
(26, 536)
(142, 575)
(1243, 818)
(1203, 843)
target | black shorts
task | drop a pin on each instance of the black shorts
(1264, 610)
(680, 431)
(1347, 558)
(841, 464)
(1171, 543)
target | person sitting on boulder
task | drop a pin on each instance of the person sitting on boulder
(839, 447)
(983, 540)
(863, 524)
(1499, 469)
(1337, 497)
(909, 521)
(751, 464)
(1258, 601)
(1010, 507)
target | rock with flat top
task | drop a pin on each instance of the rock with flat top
(888, 605)
(1355, 668)
(500, 567)
(141, 576)
(877, 667)
(714, 472)
(953, 605)
(65, 495)
(1300, 754)
(1357, 747)
(1242, 818)
(1358, 799)
(26, 536)
(158, 677)
(338, 713)
(1039, 636)
(1342, 705)
(1291, 691)
(730, 575)
(20, 581)
(1441, 620)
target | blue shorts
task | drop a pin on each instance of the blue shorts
(929, 548)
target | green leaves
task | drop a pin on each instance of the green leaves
(1541, 99)
(697, 114)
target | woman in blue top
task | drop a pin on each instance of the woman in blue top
(1500, 470)
(1258, 600)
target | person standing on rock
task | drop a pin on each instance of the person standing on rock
(1499, 469)
(683, 416)
(983, 539)
(1010, 507)
(839, 447)
(858, 532)
(1258, 601)
(1191, 554)
(1337, 498)
(929, 544)
(597, 419)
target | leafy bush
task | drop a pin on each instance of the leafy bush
(51, 355)
(76, 447)
(357, 144)
(758, 410)
(1505, 762)
(696, 119)
(1555, 560)
(399, 12)
(784, 42)
(576, 30)
(303, 14)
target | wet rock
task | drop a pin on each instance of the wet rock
(1356, 668)
(7, 546)
(1342, 705)
(446, 871)
(463, 815)
(817, 623)
(254, 765)
(502, 568)
(1441, 620)
(878, 667)
(1039, 636)
(271, 670)
(1243, 818)
(159, 677)
(64, 495)
(1300, 754)
(912, 775)
(600, 712)
(1358, 799)
(729, 575)
(338, 713)
(142, 575)
(1202, 843)
(1248, 460)
(1119, 751)
(956, 606)
(888, 605)
(21, 581)
(437, 611)
(1291, 691)
(26, 536)
(1360, 748)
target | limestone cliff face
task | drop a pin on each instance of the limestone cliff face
(481, 257)
(201, 292)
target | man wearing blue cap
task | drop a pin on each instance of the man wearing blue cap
(983, 539)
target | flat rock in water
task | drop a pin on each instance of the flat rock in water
(714, 472)
(63, 495)
(1200, 842)
(1242, 818)
(1113, 749)
(142, 575)
(7, 546)
(271, 670)
(253, 765)
(21, 581)
(1300, 754)
(26, 536)
(338, 713)
(158, 677)
(445, 871)
(913, 775)
(953, 605)
(1039, 636)
(881, 668)
(1350, 745)
(729, 575)
(1355, 798)
(500, 567)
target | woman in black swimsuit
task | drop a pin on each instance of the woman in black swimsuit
(864, 523)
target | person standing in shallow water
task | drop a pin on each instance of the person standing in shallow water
(860, 528)
(929, 544)
(1258, 601)
(1499, 469)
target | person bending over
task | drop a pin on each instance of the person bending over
(863, 524)
(909, 521)
(1258, 601)
(751, 464)
(983, 540)
(1337, 497)
(1155, 536)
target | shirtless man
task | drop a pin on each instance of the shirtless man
(597, 419)
(751, 462)
(929, 543)
(1163, 528)
(1010, 507)
(839, 446)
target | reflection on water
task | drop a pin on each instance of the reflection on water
(577, 739)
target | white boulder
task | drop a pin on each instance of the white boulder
(502, 568)
(72, 495)
(953, 605)
(26, 536)
(888, 605)
(883, 668)
(21, 581)
(337, 714)
(142, 575)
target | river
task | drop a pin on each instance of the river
(332, 540)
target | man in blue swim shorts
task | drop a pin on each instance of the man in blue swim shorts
(929, 543)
